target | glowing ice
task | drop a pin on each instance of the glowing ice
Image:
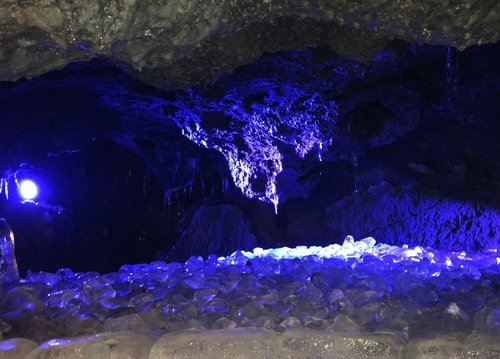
(359, 288)
(8, 265)
(351, 249)
(4, 186)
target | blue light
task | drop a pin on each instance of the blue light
(28, 190)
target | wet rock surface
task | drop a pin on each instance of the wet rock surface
(180, 43)
(103, 345)
(16, 348)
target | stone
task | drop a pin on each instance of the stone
(493, 321)
(78, 326)
(130, 322)
(21, 302)
(262, 343)
(36, 327)
(300, 343)
(123, 345)
(16, 348)
(342, 323)
(444, 347)
(216, 344)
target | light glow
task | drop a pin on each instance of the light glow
(28, 190)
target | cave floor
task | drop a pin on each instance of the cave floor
(355, 300)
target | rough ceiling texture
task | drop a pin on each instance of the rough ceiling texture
(177, 43)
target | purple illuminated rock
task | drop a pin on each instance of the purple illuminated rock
(405, 216)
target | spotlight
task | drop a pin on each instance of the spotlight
(28, 190)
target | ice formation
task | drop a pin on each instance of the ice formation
(9, 274)
(394, 300)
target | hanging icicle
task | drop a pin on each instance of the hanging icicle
(145, 181)
(9, 273)
(190, 190)
(451, 70)
(3, 186)
(167, 202)
(355, 171)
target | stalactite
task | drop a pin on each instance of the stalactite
(4, 187)
(9, 273)
(451, 72)
(355, 171)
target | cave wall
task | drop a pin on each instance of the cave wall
(403, 148)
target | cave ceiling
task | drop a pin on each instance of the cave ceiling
(179, 43)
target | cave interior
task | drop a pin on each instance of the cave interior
(313, 175)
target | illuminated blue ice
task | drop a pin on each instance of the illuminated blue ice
(349, 249)
(7, 345)
(354, 286)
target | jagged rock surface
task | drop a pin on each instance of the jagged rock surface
(179, 43)
(404, 217)
(214, 229)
